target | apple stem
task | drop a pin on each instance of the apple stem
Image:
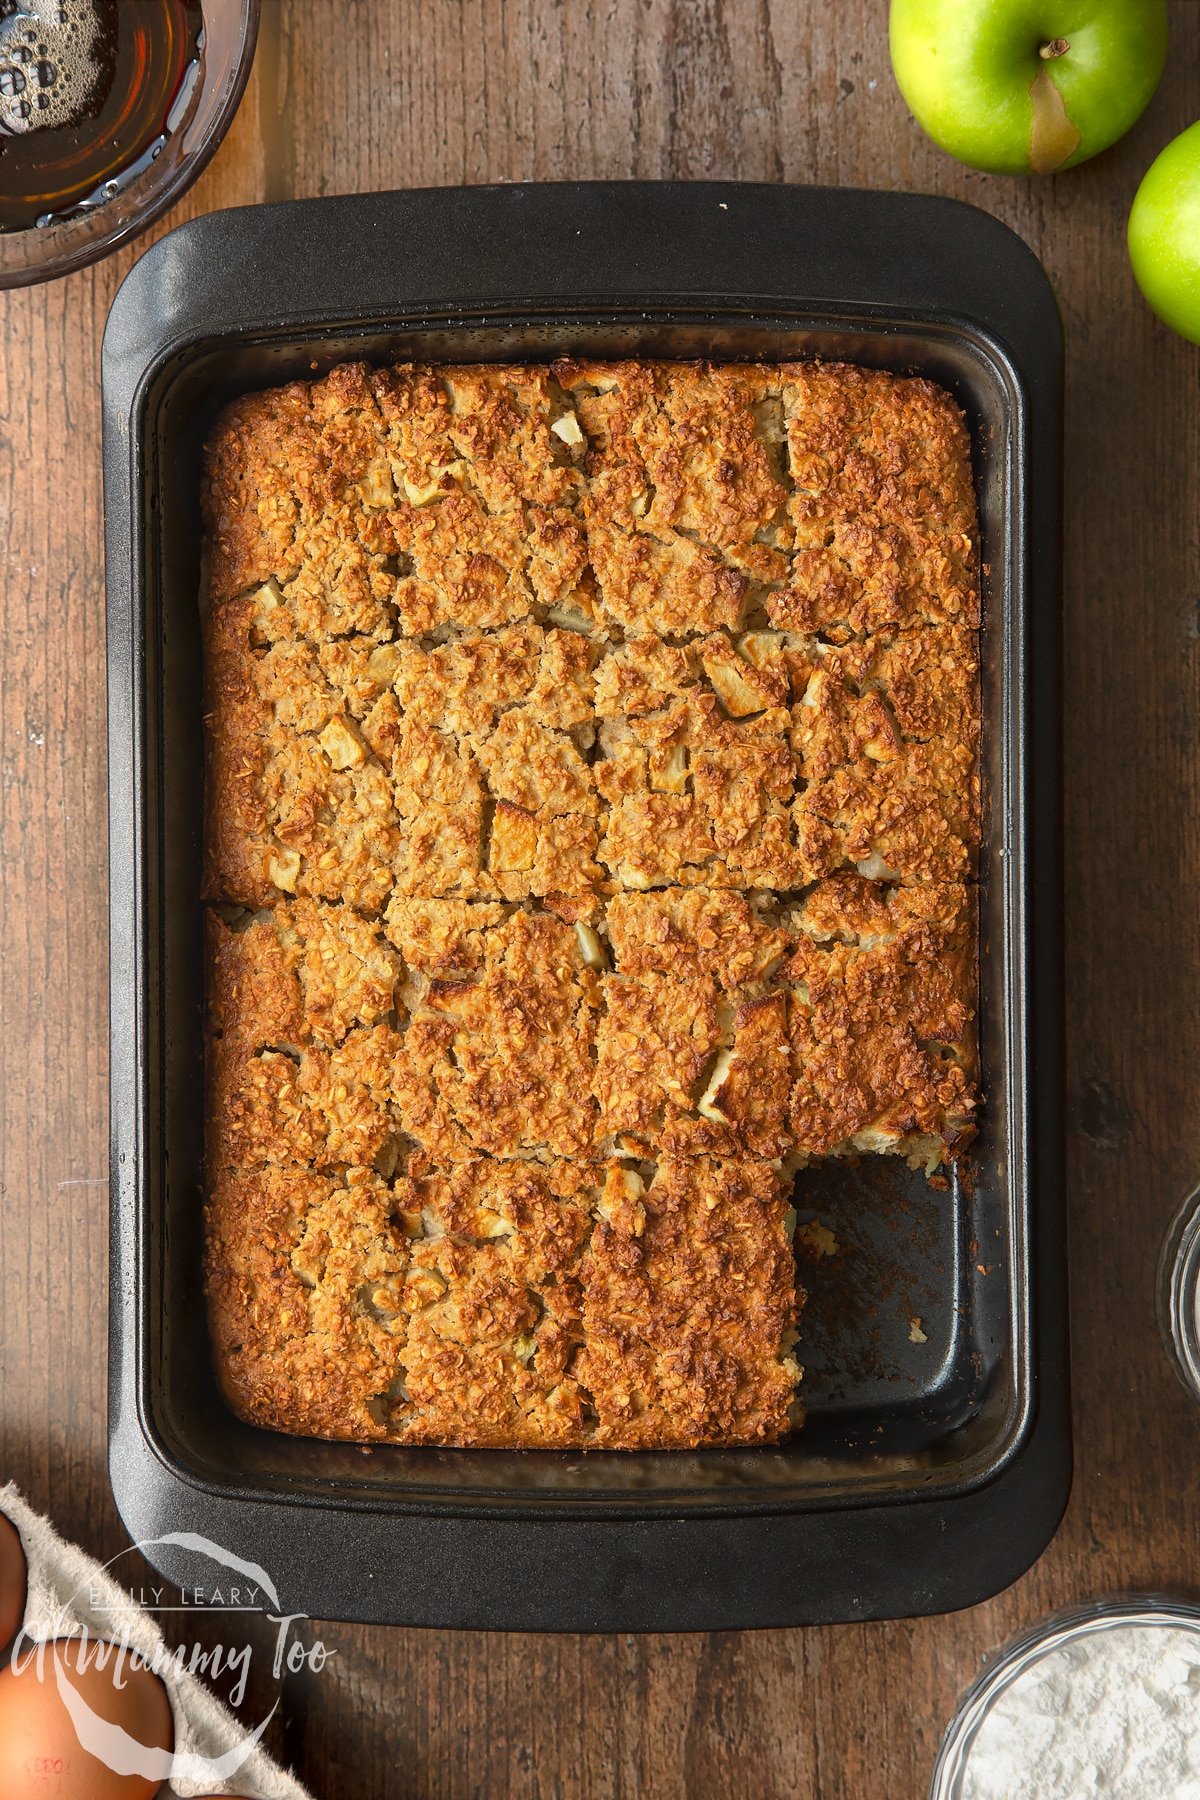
(1056, 47)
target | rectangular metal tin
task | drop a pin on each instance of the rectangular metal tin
(929, 1475)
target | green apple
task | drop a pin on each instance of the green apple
(1164, 234)
(1027, 86)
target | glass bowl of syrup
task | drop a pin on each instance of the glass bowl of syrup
(109, 109)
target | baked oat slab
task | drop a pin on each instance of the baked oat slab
(591, 817)
(497, 1302)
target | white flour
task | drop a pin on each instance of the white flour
(1116, 1713)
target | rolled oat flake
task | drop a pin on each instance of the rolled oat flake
(1114, 1711)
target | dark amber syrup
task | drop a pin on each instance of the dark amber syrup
(90, 90)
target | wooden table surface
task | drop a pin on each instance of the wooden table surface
(413, 92)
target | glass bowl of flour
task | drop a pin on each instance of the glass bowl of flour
(1102, 1699)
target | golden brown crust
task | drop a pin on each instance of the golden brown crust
(497, 1057)
(506, 1303)
(305, 1284)
(298, 801)
(683, 1066)
(882, 505)
(689, 1307)
(886, 732)
(592, 773)
(683, 491)
(351, 756)
(881, 989)
(494, 1296)
(318, 1108)
(693, 932)
(307, 970)
(696, 796)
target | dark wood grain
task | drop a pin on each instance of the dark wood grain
(366, 94)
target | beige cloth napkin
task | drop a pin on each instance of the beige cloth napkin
(67, 1587)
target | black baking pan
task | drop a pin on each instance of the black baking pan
(930, 1473)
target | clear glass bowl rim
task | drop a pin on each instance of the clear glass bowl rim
(1177, 1292)
(1065, 1626)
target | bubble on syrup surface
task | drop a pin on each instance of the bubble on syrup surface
(53, 44)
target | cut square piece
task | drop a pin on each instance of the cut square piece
(881, 506)
(695, 792)
(490, 766)
(885, 730)
(318, 1106)
(290, 477)
(881, 1019)
(686, 500)
(692, 1047)
(467, 684)
(689, 1307)
(727, 938)
(301, 1004)
(486, 521)
(305, 1282)
(297, 801)
(497, 1055)
(493, 1302)
(297, 972)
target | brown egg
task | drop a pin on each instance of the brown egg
(40, 1753)
(13, 1578)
